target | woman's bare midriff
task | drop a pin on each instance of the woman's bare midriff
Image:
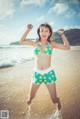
(42, 61)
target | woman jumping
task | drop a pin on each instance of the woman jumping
(43, 71)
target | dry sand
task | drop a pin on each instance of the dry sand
(15, 82)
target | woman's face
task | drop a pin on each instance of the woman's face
(44, 33)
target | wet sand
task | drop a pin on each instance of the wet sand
(15, 82)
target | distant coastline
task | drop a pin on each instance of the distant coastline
(73, 36)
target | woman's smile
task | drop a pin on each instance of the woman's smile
(44, 36)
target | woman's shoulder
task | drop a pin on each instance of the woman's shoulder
(36, 42)
(52, 44)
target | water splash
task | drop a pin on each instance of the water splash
(56, 115)
(28, 115)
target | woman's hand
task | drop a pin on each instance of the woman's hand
(29, 27)
(61, 31)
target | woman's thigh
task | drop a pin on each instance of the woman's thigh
(33, 89)
(52, 90)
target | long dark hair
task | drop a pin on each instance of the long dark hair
(50, 30)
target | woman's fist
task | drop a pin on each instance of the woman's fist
(29, 26)
(61, 31)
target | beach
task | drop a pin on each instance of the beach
(15, 83)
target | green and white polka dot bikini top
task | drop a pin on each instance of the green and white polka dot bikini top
(46, 50)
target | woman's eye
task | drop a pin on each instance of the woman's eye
(43, 31)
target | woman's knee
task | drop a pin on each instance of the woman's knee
(29, 100)
(30, 97)
(55, 100)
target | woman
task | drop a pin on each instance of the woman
(43, 71)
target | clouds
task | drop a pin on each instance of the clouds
(41, 18)
(35, 12)
(32, 2)
(66, 9)
(72, 27)
(70, 14)
(6, 8)
(58, 8)
(6, 36)
(51, 23)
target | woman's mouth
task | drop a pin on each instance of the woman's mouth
(43, 36)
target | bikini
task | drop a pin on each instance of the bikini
(48, 75)
(47, 49)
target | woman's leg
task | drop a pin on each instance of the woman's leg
(32, 91)
(53, 95)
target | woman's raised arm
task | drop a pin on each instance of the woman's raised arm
(65, 46)
(23, 40)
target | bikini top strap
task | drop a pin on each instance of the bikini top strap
(36, 43)
(49, 45)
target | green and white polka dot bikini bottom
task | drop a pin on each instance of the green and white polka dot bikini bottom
(47, 76)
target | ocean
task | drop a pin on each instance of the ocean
(10, 55)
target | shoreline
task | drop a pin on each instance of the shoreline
(76, 48)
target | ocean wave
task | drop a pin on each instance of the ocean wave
(12, 55)
(7, 63)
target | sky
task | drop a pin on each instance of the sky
(16, 14)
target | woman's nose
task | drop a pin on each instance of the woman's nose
(44, 32)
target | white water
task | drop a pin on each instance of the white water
(11, 55)
(55, 115)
